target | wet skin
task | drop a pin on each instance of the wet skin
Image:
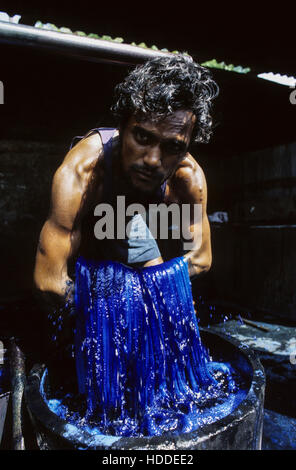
(149, 152)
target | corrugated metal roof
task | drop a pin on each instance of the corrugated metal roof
(278, 78)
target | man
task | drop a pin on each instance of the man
(161, 108)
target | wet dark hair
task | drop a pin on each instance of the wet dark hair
(164, 85)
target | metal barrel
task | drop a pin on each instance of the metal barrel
(239, 430)
(18, 379)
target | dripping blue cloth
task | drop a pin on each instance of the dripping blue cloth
(139, 357)
(133, 249)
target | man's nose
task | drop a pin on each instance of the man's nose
(153, 157)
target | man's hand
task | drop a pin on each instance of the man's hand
(153, 262)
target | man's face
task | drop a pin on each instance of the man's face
(152, 150)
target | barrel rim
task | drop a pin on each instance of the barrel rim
(82, 439)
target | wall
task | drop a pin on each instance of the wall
(254, 255)
(26, 170)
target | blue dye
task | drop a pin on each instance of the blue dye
(140, 362)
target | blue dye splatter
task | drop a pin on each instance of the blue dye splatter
(140, 361)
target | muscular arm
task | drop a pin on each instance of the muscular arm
(192, 185)
(60, 235)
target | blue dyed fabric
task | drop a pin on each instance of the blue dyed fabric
(139, 357)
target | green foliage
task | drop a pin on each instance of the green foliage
(67, 30)
(52, 27)
(210, 63)
(221, 65)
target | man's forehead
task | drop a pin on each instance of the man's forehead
(180, 122)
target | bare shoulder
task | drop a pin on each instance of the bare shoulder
(189, 180)
(82, 158)
(72, 178)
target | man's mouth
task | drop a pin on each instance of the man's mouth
(144, 174)
(147, 175)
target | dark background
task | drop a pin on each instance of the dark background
(250, 162)
(258, 34)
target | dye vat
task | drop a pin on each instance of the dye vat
(241, 429)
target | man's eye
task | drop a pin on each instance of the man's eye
(173, 149)
(141, 137)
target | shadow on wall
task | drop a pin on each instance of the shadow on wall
(27, 169)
